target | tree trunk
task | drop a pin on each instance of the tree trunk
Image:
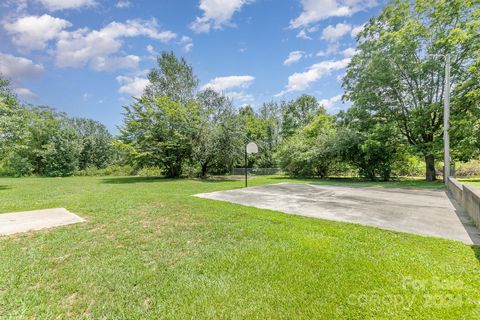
(204, 169)
(430, 168)
(38, 165)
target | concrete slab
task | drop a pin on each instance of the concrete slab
(418, 211)
(11, 223)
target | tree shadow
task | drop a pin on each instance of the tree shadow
(469, 179)
(334, 179)
(215, 179)
(131, 180)
(2, 187)
(395, 182)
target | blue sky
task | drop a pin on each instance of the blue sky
(89, 57)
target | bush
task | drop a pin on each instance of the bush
(116, 170)
(409, 167)
(108, 171)
(374, 153)
(61, 154)
(15, 165)
(149, 172)
(468, 169)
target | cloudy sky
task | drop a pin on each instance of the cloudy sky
(89, 57)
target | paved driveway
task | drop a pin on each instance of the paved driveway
(419, 211)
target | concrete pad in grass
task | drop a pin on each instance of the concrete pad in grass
(420, 211)
(17, 222)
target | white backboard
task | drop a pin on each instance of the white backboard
(252, 148)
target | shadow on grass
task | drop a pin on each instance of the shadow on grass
(214, 179)
(4, 188)
(477, 180)
(359, 182)
(130, 180)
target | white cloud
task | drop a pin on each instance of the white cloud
(300, 81)
(293, 57)
(224, 83)
(151, 50)
(33, 32)
(232, 86)
(123, 4)
(26, 93)
(187, 43)
(83, 46)
(333, 33)
(317, 10)
(114, 63)
(133, 86)
(327, 103)
(17, 68)
(349, 52)
(302, 34)
(240, 96)
(54, 5)
(356, 30)
(332, 48)
(216, 14)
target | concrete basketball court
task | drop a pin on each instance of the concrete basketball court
(18, 222)
(419, 211)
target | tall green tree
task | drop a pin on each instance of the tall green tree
(173, 77)
(374, 153)
(219, 137)
(308, 152)
(398, 74)
(61, 153)
(159, 132)
(254, 129)
(298, 113)
(263, 128)
(96, 143)
(12, 116)
(270, 113)
(50, 145)
(159, 128)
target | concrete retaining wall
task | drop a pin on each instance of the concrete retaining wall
(468, 197)
(471, 203)
(456, 188)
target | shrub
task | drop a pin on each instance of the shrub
(468, 169)
(373, 153)
(108, 171)
(410, 166)
(149, 172)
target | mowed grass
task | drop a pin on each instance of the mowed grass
(471, 181)
(152, 250)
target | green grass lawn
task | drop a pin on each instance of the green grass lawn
(471, 181)
(151, 250)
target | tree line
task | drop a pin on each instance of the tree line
(395, 83)
(37, 140)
